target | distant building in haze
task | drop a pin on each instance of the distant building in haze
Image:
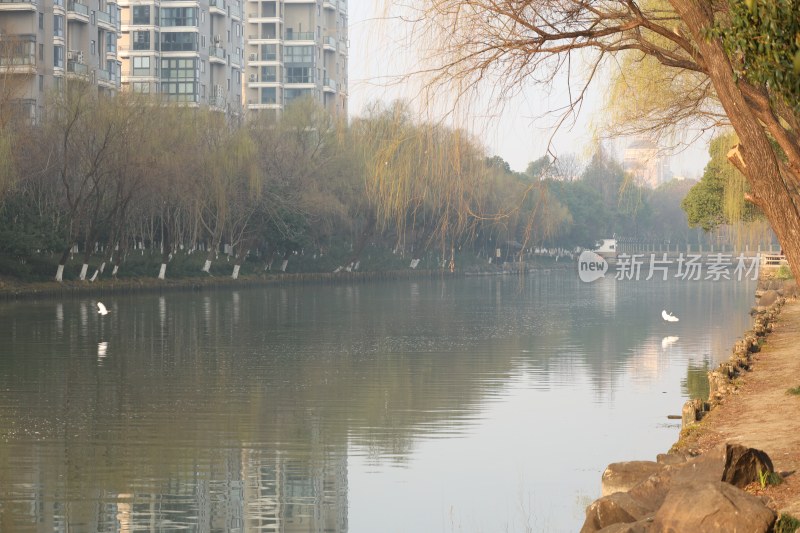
(642, 159)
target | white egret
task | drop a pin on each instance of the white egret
(666, 342)
(101, 309)
(669, 317)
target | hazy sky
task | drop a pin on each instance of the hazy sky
(378, 54)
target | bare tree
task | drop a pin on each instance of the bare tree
(509, 43)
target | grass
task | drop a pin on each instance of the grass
(783, 272)
(786, 524)
(794, 390)
(769, 478)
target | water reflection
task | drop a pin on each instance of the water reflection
(338, 408)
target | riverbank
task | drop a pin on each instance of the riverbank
(11, 289)
(717, 476)
(761, 412)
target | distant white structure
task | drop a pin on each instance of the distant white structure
(643, 160)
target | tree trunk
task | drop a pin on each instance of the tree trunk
(62, 262)
(369, 230)
(166, 246)
(238, 258)
(755, 157)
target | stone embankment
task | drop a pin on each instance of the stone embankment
(716, 485)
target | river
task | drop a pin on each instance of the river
(470, 405)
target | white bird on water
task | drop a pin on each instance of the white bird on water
(101, 309)
(669, 317)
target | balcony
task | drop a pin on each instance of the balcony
(216, 54)
(300, 36)
(217, 101)
(20, 56)
(77, 70)
(328, 85)
(217, 7)
(329, 43)
(329, 4)
(236, 60)
(78, 12)
(107, 22)
(107, 79)
(18, 5)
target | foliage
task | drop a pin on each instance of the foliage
(794, 391)
(763, 39)
(783, 272)
(786, 523)
(719, 197)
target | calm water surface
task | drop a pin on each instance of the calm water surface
(466, 405)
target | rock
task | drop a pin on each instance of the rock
(641, 526)
(712, 506)
(709, 467)
(670, 458)
(617, 508)
(620, 477)
(743, 465)
(768, 298)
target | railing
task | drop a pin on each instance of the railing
(217, 101)
(77, 68)
(300, 36)
(330, 41)
(327, 82)
(17, 61)
(105, 18)
(79, 8)
(32, 2)
(773, 260)
(215, 51)
(219, 4)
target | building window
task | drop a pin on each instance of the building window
(269, 95)
(299, 75)
(270, 52)
(41, 82)
(111, 42)
(141, 87)
(181, 76)
(41, 21)
(179, 16)
(58, 56)
(141, 66)
(92, 47)
(141, 40)
(58, 25)
(293, 94)
(269, 73)
(299, 54)
(141, 14)
(41, 52)
(178, 42)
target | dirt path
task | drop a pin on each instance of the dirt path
(761, 414)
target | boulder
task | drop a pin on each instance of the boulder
(743, 465)
(617, 508)
(768, 298)
(641, 526)
(620, 477)
(670, 458)
(704, 506)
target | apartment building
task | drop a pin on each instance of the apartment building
(45, 43)
(230, 55)
(189, 52)
(296, 48)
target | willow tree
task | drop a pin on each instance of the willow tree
(733, 61)
(419, 174)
